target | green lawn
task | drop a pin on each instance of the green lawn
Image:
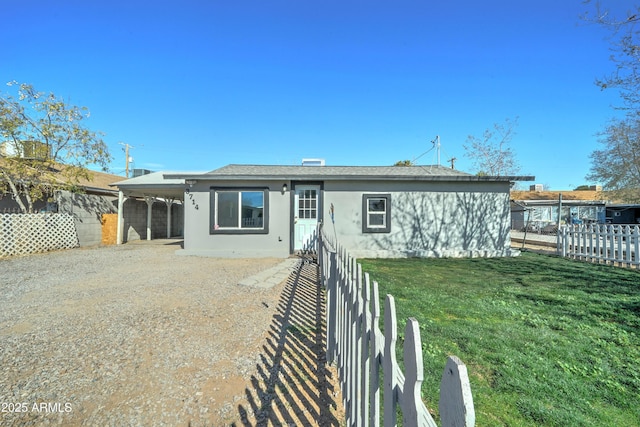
(547, 341)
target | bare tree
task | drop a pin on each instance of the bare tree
(617, 164)
(492, 154)
(625, 50)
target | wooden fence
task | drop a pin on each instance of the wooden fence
(602, 244)
(363, 352)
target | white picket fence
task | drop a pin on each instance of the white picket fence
(22, 234)
(603, 244)
(361, 351)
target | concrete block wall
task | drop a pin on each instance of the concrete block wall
(135, 220)
(87, 210)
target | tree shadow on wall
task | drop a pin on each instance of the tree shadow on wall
(294, 386)
(486, 221)
(82, 205)
(445, 222)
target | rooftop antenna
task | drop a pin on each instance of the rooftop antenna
(436, 143)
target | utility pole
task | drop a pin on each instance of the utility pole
(127, 158)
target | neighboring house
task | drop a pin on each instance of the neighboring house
(87, 206)
(538, 210)
(377, 211)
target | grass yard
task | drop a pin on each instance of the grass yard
(547, 341)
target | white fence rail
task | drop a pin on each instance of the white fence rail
(603, 244)
(22, 234)
(361, 351)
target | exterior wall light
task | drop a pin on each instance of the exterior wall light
(284, 188)
(190, 182)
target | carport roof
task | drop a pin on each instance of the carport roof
(154, 184)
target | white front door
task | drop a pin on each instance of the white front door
(306, 205)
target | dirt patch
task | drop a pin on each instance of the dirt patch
(136, 335)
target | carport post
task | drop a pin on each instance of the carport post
(120, 212)
(149, 201)
(169, 203)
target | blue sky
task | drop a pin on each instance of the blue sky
(195, 85)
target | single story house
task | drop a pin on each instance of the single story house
(538, 210)
(87, 206)
(374, 211)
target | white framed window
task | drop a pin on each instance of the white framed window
(308, 204)
(241, 211)
(376, 213)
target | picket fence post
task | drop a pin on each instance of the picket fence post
(389, 362)
(627, 235)
(356, 344)
(456, 402)
(413, 365)
(332, 307)
(360, 350)
(598, 243)
(376, 358)
(365, 355)
(635, 235)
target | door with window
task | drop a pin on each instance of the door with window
(306, 211)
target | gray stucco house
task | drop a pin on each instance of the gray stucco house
(375, 211)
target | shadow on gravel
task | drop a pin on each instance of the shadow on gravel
(294, 386)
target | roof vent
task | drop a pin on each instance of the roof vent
(140, 172)
(312, 162)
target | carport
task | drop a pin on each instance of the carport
(151, 187)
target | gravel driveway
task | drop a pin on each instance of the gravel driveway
(135, 335)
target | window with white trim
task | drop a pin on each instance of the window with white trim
(236, 210)
(376, 213)
(307, 204)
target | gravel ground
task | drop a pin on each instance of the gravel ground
(136, 335)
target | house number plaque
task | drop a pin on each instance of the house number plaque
(193, 202)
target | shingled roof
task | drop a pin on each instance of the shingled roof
(99, 181)
(327, 173)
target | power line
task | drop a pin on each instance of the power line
(426, 152)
